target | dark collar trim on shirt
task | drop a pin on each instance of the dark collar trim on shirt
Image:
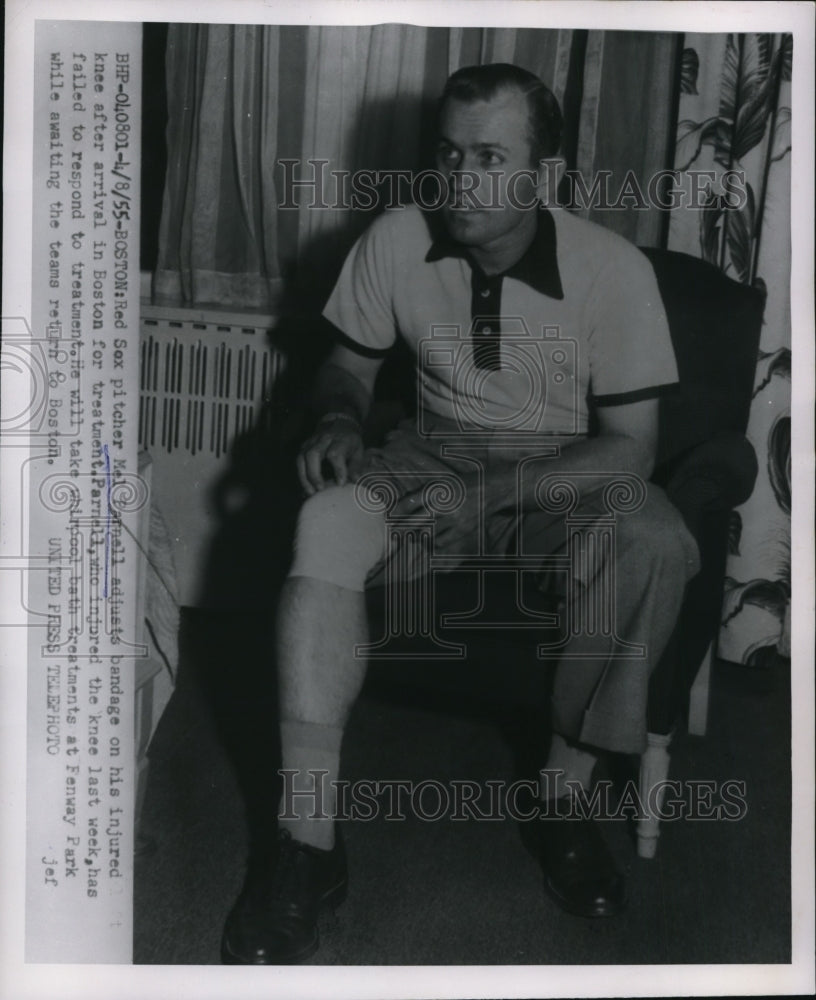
(538, 267)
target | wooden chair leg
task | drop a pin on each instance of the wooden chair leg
(654, 768)
(699, 695)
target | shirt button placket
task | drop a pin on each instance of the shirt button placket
(486, 330)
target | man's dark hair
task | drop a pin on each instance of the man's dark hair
(481, 83)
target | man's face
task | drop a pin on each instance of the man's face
(484, 138)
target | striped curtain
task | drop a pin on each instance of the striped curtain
(624, 124)
(243, 98)
(218, 240)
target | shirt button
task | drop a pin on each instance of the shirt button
(485, 292)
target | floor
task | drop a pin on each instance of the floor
(446, 892)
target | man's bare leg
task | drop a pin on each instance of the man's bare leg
(319, 624)
(321, 618)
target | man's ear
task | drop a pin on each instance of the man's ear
(550, 172)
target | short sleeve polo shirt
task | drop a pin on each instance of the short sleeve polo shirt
(577, 321)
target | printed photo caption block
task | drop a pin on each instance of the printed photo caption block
(82, 494)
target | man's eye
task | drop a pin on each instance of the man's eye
(447, 154)
(491, 159)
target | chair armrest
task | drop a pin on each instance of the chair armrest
(718, 474)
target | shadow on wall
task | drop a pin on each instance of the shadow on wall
(257, 497)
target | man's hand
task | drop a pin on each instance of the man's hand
(334, 450)
(344, 385)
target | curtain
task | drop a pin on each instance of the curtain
(244, 100)
(735, 115)
(623, 127)
(362, 109)
(218, 235)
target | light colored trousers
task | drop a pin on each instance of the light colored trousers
(622, 596)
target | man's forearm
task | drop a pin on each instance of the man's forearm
(607, 453)
(339, 391)
(602, 456)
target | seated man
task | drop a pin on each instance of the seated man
(476, 264)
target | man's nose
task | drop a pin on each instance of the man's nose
(466, 183)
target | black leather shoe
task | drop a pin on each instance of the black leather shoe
(274, 921)
(579, 872)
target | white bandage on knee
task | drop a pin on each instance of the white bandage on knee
(336, 540)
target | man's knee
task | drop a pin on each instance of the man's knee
(336, 540)
(657, 531)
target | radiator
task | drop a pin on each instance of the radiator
(203, 378)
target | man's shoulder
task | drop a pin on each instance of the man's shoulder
(406, 226)
(586, 244)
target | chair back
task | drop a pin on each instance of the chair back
(715, 324)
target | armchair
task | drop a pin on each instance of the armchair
(707, 468)
(705, 465)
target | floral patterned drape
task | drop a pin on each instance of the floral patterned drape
(735, 115)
